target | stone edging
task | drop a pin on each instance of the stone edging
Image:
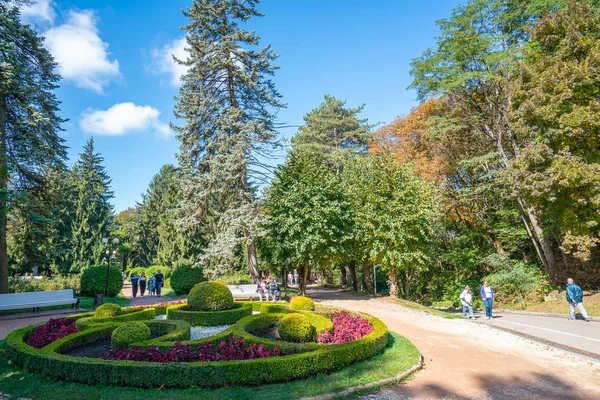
(542, 314)
(382, 382)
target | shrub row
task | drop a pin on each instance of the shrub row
(184, 278)
(209, 318)
(325, 359)
(127, 315)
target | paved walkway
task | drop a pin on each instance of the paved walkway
(466, 360)
(142, 301)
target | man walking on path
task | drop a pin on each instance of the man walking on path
(487, 295)
(575, 299)
(158, 282)
(466, 298)
(135, 279)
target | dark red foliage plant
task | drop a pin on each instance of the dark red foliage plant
(233, 349)
(51, 331)
(346, 328)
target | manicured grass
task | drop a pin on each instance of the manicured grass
(84, 302)
(171, 293)
(399, 356)
(429, 310)
(590, 301)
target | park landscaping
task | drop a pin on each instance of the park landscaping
(129, 347)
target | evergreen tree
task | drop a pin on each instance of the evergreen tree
(93, 211)
(227, 101)
(29, 124)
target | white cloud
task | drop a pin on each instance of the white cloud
(123, 118)
(81, 54)
(41, 10)
(164, 63)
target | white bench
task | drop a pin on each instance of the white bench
(35, 300)
(246, 291)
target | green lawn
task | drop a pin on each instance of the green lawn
(429, 310)
(84, 302)
(399, 356)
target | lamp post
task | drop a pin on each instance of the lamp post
(105, 242)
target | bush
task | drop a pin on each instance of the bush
(128, 333)
(93, 280)
(107, 310)
(154, 269)
(210, 296)
(295, 328)
(137, 270)
(19, 285)
(126, 316)
(209, 318)
(184, 278)
(268, 308)
(302, 303)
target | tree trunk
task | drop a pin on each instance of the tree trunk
(252, 259)
(303, 272)
(368, 278)
(3, 198)
(329, 275)
(343, 278)
(406, 284)
(393, 277)
(351, 277)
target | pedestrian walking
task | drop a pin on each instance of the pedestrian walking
(296, 276)
(487, 295)
(151, 285)
(466, 298)
(143, 280)
(575, 299)
(290, 278)
(158, 282)
(135, 280)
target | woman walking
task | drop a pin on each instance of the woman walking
(142, 284)
(151, 285)
(487, 295)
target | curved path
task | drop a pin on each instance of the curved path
(466, 360)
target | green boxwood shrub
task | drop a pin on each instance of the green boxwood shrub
(320, 359)
(209, 318)
(93, 280)
(210, 296)
(266, 308)
(128, 333)
(295, 328)
(127, 315)
(302, 303)
(184, 278)
(107, 310)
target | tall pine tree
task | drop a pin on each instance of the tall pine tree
(93, 211)
(29, 123)
(227, 101)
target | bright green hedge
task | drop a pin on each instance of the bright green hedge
(295, 328)
(255, 304)
(266, 308)
(93, 280)
(128, 333)
(128, 315)
(210, 296)
(137, 270)
(107, 310)
(302, 303)
(209, 318)
(184, 278)
(318, 359)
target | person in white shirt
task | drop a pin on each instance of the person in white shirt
(487, 295)
(466, 298)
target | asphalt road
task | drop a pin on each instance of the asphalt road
(578, 334)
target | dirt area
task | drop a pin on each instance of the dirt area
(269, 333)
(467, 360)
(95, 350)
(591, 303)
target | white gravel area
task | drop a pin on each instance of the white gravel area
(161, 317)
(255, 312)
(201, 332)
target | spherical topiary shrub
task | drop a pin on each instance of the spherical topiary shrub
(184, 278)
(107, 310)
(295, 328)
(210, 296)
(302, 303)
(93, 280)
(129, 333)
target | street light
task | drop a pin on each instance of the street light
(115, 242)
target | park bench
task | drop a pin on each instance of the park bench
(245, 291)
(35, 300)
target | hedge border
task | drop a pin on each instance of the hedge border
(133, 315)
(324, 359)
(209, 318)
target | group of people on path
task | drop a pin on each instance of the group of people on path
(141, 282)
(293, 278)
(266, 288)
(573, 291)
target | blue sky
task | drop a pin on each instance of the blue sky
(118, 81)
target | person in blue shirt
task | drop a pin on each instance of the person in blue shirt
(487, 295)
(575, 299)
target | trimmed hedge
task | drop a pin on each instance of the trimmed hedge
(295, 328)
(153, 269)
(266, 308)
(319, 359)
(128, 333)
(133, 315)
(255, 304)
(210, 296)
(93, 280)
(184, 278)
(107, 310)
(209, 318)
(302, 303)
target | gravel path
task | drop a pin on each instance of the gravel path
(467, 360)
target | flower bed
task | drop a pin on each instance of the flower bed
(235, 348)
(51, 331)
(346, 328)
